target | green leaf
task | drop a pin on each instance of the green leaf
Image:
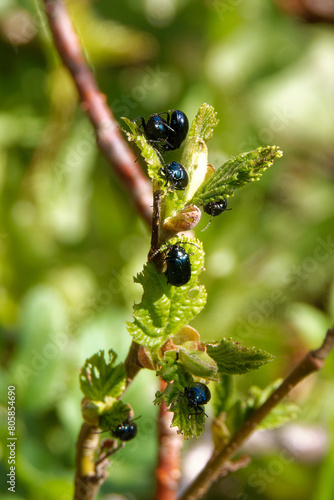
(236, 416)
(281, 414)
(164, 308)
(204, 123)
(185, 418)
(236, 173)
(194, 159)
(224, 395)
(147, 151)
(100, 378)
(114, 416)
(190, 424)
(234, 359)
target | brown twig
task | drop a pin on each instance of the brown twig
(90, 474)
(132, 365)
(169, 446)
(155, 225)
(312, 362)
(321, 11)
(108, 136)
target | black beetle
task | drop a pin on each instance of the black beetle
(165, 134)
(126, 430)
(176, 175)
(179, 125)
(215, 208)
(197, 394)
(178, 266)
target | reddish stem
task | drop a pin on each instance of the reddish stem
(169, 446)
(108, 136)
(90, 474)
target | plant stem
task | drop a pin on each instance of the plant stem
(132, 365)
(90, 473)
(155, 225)
(88, 476)
(93, 102)
(312, 362)
(169, 446)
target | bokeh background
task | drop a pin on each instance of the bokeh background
(70, 241)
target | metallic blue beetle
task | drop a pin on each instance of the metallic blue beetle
(176, 175)
(165, 134)
(178, 266)
(197, 394)
(126, 430)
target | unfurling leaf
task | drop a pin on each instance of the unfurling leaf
(235, 174)
(189, 422)
(100, 378)
(117, 413)
(147, 151)
(204, 123)
(234, 359)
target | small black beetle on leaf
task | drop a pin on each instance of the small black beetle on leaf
(126, 430)
(165, 134)
(176, 175)
(178, 266)
(215, 208)
(197, 394)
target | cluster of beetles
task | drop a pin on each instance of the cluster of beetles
(167, 134)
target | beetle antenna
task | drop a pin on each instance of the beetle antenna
(208, 224)
(154, 254)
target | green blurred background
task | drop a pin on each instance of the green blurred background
(70, 241)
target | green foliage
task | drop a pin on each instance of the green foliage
(176, 376)
(65, 222)
(164, 308)
(235, 409)
(114, 416)
(189, 422)
(204, 123)
(224, 395)
(100, 378)
(234, 359)
(147, 152)
(236, 173)
(194, 158)
(102, 382)
(281, 414)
